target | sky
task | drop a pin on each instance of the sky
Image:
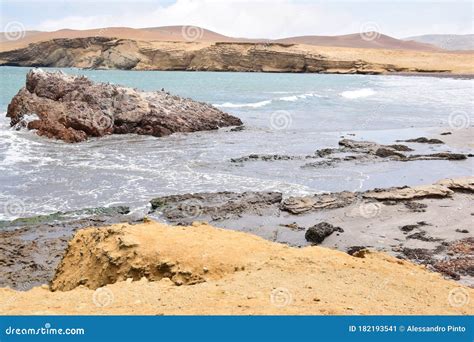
(245, 18)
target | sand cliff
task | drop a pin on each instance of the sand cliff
(128, 54)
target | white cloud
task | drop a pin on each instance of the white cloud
(276, 18)
(253, 19)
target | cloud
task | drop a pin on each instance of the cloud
(273, 18)
(253, 19)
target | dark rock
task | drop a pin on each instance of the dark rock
(354, 249)
(390, 202)
(292, 226)
(419, 255)
(354, 144)
(422, 237)
(446, 133)
(384, 152)
(326, 152)
(186, 208)
(423, 140)
(237, 129)
(263, 157)
(73, 108)
(408, 227)
(320, 231)
(361, 253)
(464, 231)
(416, 207)
(438, 156)
(462, 260)
(399, 147)
(321, 163)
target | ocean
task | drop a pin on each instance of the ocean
(291, 114)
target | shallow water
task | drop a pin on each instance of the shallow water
(283, 113)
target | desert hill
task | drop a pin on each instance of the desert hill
(198, 34)
(453, 42)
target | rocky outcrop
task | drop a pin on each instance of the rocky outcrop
(443, 188)
(299, 205)
(214, 206)
(73, 108)
(409, 193)
(391, 214)
(423, 140)
(465, 184)
(365, 151)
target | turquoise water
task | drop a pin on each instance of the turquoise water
(283, 113)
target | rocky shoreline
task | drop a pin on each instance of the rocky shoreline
(422, 224)
(427, 224)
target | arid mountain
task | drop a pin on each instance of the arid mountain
(369, 40)
(197, 34)
(447, 41)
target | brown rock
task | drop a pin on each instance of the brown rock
(408, 193)
(465, 184)
(423, 140)
(385, 152)
(298, 205)
(73, 108)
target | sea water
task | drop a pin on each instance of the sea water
(293, 114)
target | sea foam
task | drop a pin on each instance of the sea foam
(243, 105)
(359, 93)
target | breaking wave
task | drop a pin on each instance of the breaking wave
(243, 105)
(359, 93)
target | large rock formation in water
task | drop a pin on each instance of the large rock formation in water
(73, 108)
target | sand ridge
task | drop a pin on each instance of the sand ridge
(237, 273)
